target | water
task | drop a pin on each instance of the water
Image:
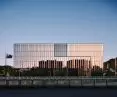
(59, 92)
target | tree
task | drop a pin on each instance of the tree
(96, 71)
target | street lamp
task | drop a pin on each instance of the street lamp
(115, 66)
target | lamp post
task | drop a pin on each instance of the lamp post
(115, 66)
(5, 65)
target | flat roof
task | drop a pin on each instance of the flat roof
(64, 43)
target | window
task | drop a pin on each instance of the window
(60, 50)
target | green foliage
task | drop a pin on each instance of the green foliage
(35, 71)
(96, 71)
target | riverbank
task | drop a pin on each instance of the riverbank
(59, 87)
(58, 92)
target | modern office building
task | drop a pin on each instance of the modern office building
(58, 55)
(111, 63)
(110, 67)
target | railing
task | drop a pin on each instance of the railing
(59, 81)
(59, 77)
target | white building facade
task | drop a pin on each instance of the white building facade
(28, 55)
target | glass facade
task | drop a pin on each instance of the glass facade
(60, 50)
(58, 55)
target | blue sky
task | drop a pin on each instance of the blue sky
(82, 21)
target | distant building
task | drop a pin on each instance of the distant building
(48, 64)
(58, 55)
(81, 66)
(110, 66)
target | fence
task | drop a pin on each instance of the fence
(59, 81)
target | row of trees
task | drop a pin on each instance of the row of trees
(10, 71)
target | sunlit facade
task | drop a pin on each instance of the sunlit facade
(58, 55)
